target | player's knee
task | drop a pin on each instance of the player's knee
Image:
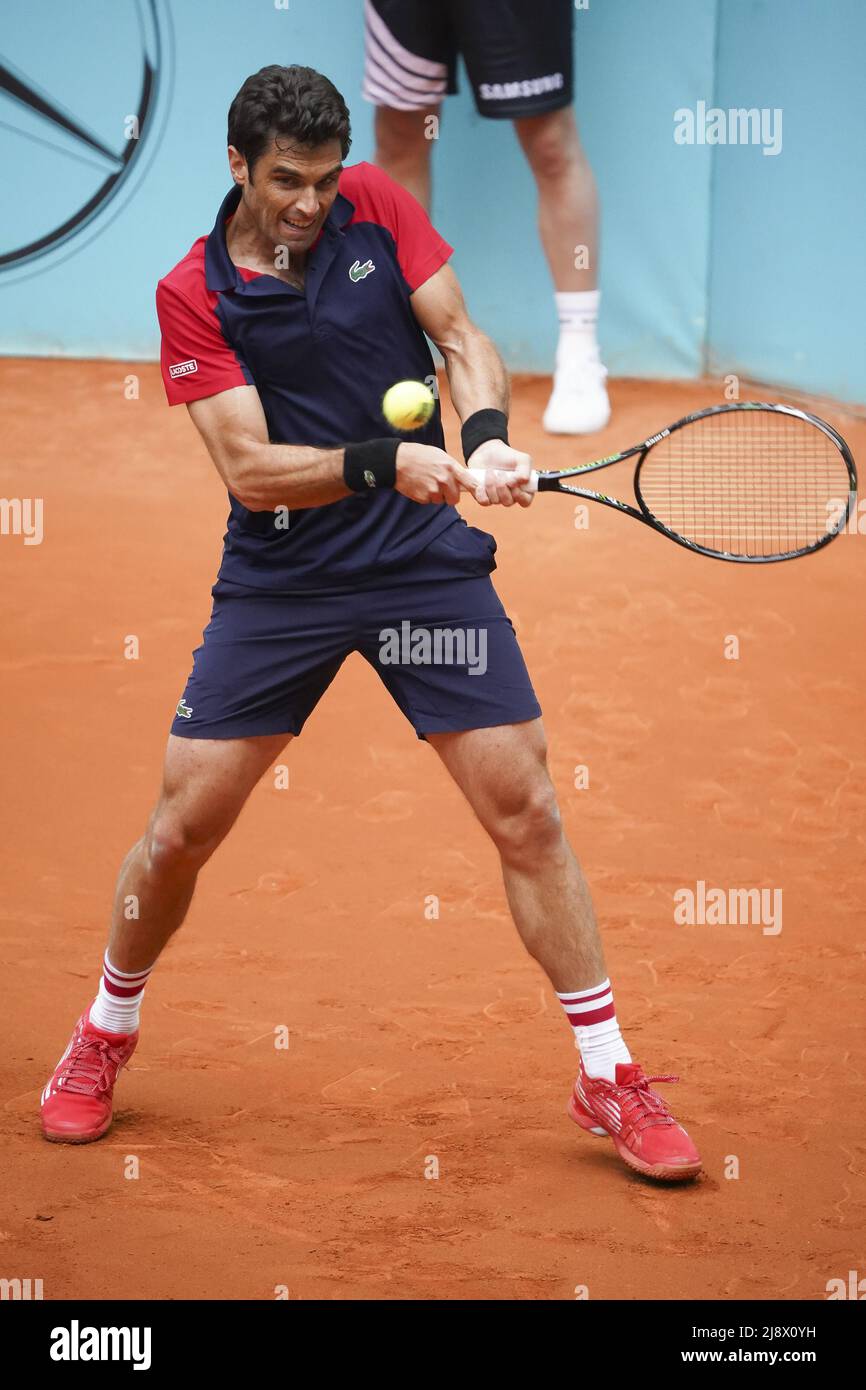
(531, 831)
(177, 845)
(552, 150)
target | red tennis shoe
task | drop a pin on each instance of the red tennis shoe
(76, 1103)
(643, 1130)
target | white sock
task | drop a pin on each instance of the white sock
(596, 1031)
(117, 1006)
(578, 316)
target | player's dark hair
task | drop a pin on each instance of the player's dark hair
(296, 104)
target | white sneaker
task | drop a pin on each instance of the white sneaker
(579, 403)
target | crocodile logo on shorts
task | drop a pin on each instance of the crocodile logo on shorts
(359, 272)
(184, 711)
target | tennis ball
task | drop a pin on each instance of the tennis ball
(408, 405)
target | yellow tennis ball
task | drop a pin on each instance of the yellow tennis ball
(408, 405)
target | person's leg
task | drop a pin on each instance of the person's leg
(567, 197)
(503, 773)
(404, 140)
(519, 57)
(264, 663)
(568, 227)
(205, 784)
(409, 66)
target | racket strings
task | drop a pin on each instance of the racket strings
(753, 483)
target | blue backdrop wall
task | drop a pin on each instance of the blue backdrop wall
(713, 256)
(786, 258)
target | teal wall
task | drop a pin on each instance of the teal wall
(635, 62)
(716, 257)
(787, 285)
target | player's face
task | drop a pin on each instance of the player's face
(292, 191)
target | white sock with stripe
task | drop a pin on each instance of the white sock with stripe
(596, 1032)
(118, 1003)
(578, 316)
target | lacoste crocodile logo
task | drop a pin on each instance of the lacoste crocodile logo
(359, 272)
(184, 710)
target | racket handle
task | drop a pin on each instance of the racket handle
(479, 474)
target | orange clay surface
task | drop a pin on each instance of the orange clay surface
(412, 1037)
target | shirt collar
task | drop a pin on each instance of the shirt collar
(221, 273)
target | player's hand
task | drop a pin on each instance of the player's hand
(428, 474)
(507, 472)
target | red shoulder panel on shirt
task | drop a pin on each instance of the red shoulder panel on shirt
(378, 198)
(195, 358)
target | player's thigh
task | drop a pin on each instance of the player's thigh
(263, 665)
(206, 782)
(401, 135)
(443, 645)
(502, 772)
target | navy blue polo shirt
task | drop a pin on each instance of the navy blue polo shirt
(321, 359)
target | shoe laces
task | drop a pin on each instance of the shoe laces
(645, 1106)
(91, 1066)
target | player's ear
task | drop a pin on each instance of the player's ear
(238, 166)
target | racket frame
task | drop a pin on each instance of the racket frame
(553, 481)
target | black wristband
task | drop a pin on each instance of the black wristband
(483, 425)
(371, 464)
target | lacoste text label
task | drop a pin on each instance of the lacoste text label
(183, 368)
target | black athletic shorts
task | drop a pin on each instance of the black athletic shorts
(518, 53)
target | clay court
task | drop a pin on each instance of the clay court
(413, 1036)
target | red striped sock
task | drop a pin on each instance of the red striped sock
(117, 1005)
(596, 1032)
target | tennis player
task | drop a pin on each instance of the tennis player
(519, 61)
(281, 330)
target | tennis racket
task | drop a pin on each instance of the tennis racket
(748, 482)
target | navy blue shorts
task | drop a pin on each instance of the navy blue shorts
(437, 636)
(517, 53)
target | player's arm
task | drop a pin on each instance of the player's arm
(478, 381)
(202, 371)
(264, 476)
(476, 373)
